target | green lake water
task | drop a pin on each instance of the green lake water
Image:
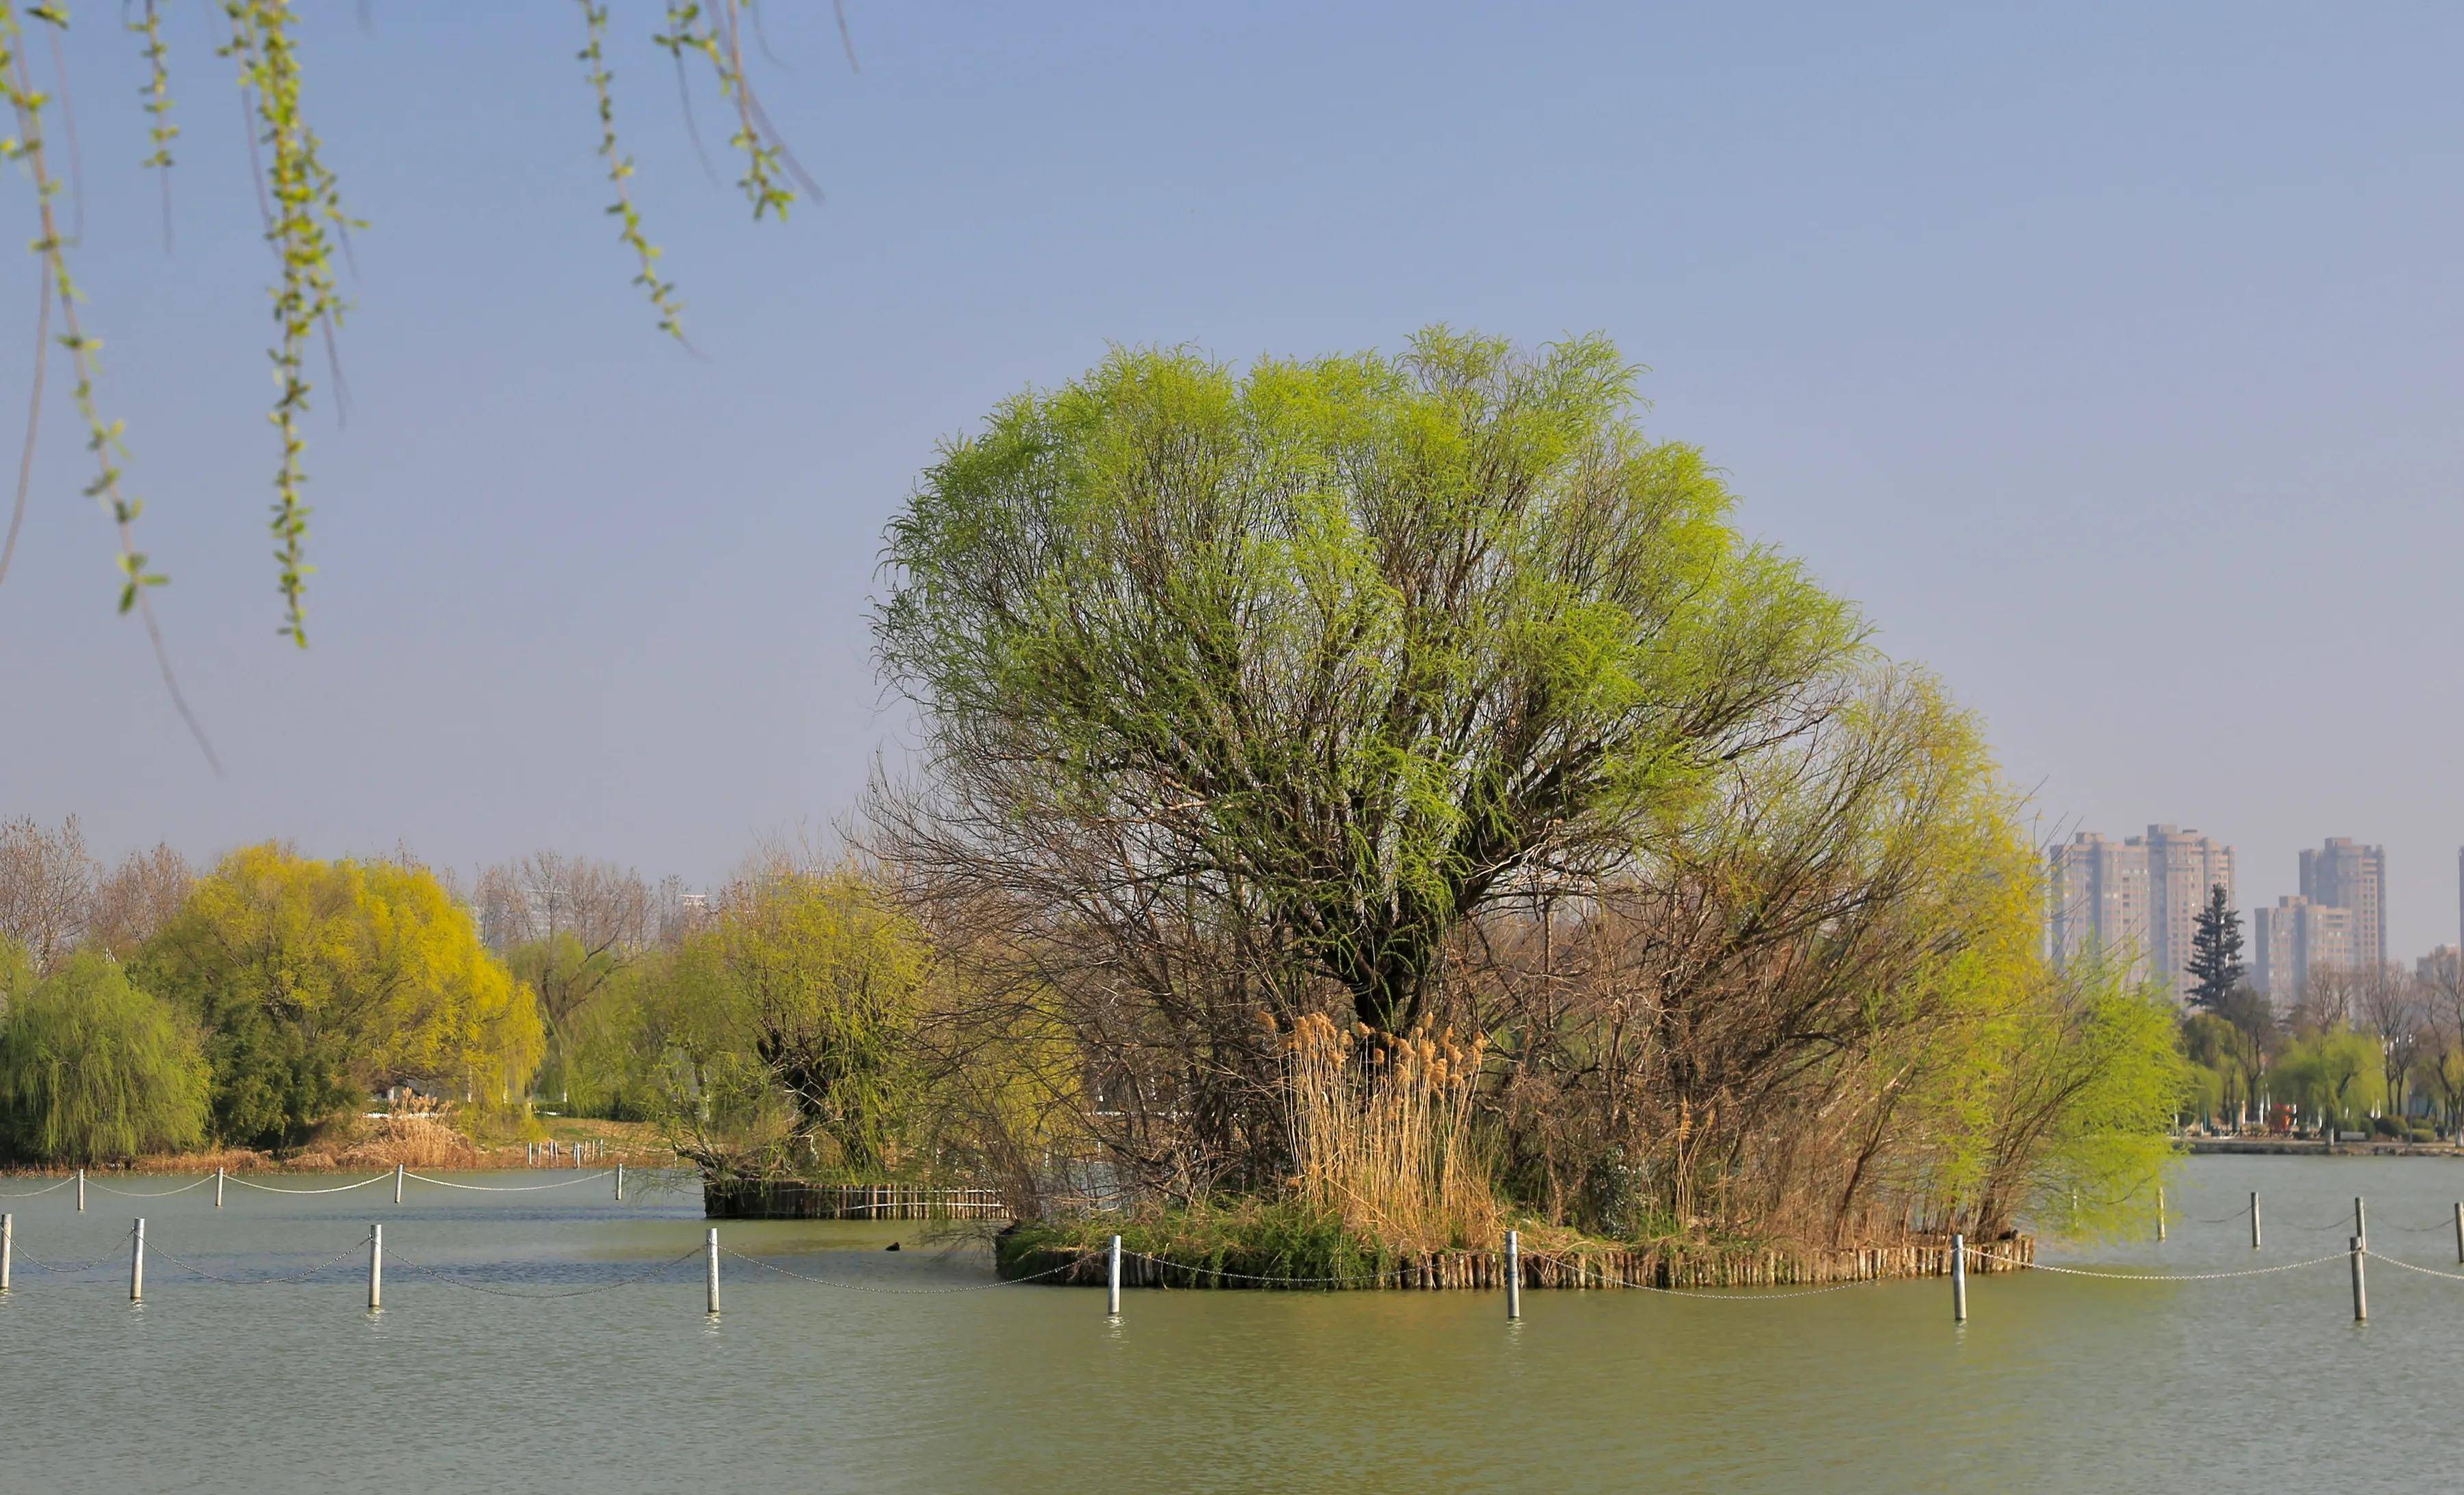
(2055, 1383)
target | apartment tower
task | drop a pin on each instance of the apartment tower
(2345, 874)
(2097, 893)
(2294, 939)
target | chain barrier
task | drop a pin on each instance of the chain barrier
(509, 1188)
(62, 1269)
(2078, 1271)
(152, 1193)
(2425, 1271)
(915, 1292)
(65, 1267)
(44, 1189)
(451, 1281)
(340, 1188)
(152, 1250)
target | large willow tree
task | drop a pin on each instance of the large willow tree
(92, 1070)
(1359, 644)
(1429, 689)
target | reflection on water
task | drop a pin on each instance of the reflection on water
(2054, 1383)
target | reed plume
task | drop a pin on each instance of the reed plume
(1382, 1135)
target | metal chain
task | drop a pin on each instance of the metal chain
(506, 1292)
(340, 1188)
(152, 1193)
(251, 1282)
(915, 1292)
(2409, 1267)
(2420, 1230)
(44, 1189)
(2077, 1272)
(512, 1188)
(127, 1234)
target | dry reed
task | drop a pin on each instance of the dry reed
(1382, 1134)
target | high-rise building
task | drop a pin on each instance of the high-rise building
(2098, 895)
(2137, 901)
(2345, 874)
(2182, 866)
(2294, 939)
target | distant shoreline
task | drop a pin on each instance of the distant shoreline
(2301, 1147)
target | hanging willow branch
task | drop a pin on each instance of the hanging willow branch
(305, 222)
(619, 175)
(103, 437)
(307, 209)
(160, 131)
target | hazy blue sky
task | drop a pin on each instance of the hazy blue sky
(2110, 355)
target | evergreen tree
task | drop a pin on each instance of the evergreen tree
(2215, 951)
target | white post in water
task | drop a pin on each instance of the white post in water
(714, 1271)
(218, 1188)
(137, 1265)
(1112, 1281)
(376, 1267)
(397, 1183)
(2160, 1211)
(2254, 1220)
(80, 1191)
(7, 1240)
(1513, 1275)
(1959, 1279)
(2361, 1224)
(2361, 1293)
(620, 1183)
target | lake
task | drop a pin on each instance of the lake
(2055, 1383)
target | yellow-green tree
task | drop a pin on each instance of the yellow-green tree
(789, 1035)
(317, 980)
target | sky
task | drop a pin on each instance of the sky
(2107, 356)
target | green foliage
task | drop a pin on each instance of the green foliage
(1364, 638)
(92, 1070)
(785, 1036)
(565, 974)
(2334, 1072)
(17, 974)
(320, 981)
(2091, 1079)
